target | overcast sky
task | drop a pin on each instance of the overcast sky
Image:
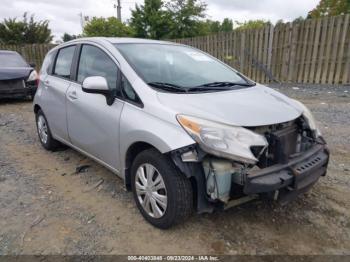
(64, 14)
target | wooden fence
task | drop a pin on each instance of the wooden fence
(314, 51)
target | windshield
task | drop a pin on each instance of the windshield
(12, 60)
(177, 68)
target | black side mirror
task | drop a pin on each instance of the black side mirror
(32, 65)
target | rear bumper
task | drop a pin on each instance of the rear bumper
(290, 179)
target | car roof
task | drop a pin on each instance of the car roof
(119, 40)
(123, 40)
(113, 41)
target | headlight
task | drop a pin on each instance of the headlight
(309, 119)
(222, 140)
(33, 76)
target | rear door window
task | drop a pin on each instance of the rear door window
(64, 62)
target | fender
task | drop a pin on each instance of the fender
(137, 126)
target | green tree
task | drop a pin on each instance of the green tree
(208, 27)
(330, 8)
(227, 25)
(214, 26)
(298, 19)
(205, 27)
(67, 37)
(186, 16)
(111, 26)
(211, 27)
(25, 31)
(279, 22)
(151, 20)
(252, 24)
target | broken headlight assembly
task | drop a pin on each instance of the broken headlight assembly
(309, 118)
(222, 140)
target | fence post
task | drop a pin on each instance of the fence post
(293, 51)
(269, 52)
(341, 49)
(346, 71)
(315, 51)
(335, 49)
(321, 56)
(242, 51)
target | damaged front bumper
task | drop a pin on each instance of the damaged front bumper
(282, 181)
(290, 179)
(17, 89)
(14, 93)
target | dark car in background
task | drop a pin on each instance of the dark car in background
(18, 78)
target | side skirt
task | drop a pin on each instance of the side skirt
(115, 171)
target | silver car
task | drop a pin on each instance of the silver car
(182, 129)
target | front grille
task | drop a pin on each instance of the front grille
(11, 84)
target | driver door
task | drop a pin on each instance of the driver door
(93, 126)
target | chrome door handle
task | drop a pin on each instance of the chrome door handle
(73, 95)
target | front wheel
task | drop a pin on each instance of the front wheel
(162, 194)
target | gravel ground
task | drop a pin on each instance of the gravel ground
(46, 208)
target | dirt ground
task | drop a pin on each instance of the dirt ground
(45, 208)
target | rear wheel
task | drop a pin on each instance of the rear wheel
(44, 133)
(162, 194)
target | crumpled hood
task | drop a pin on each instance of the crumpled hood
(253, 106)
(9, 73)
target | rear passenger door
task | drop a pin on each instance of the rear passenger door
(56, 84)
(93, 126)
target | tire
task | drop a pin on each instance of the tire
(178, 190)
(46, 139)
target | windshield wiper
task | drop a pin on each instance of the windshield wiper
(225, 84)
(209, 88)
(214, 86)
(168, 86)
